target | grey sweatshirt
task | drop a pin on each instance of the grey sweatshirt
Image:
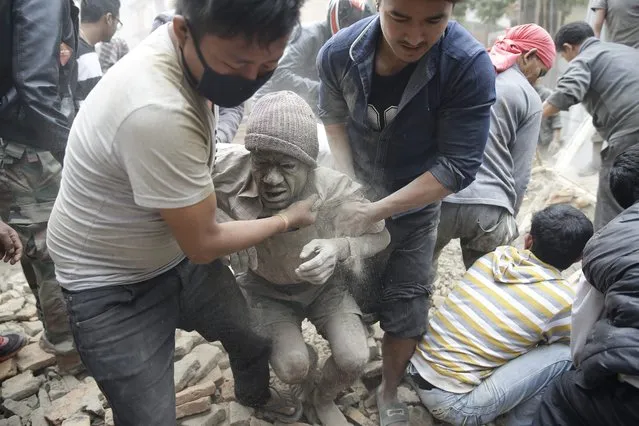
(515, 120)
(297, 70)
(605, 79)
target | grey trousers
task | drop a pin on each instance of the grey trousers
(480, 228)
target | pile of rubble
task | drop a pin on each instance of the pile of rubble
(33, 391)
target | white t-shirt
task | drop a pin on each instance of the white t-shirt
(143, 141)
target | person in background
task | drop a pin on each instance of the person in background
(483, 215)
(37, 56)
(622, 26)
(603, 78)
(550, 132)
(228, 119)
(405, 99)
(110, 52)
(603, 388)
(502, 334)
(621, 18)
(297, 70)
(99, 20)
(11, 252)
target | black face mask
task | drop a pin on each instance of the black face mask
(224, 90)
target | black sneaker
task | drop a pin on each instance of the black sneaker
(10, 344)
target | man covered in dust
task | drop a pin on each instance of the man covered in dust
(298, 274)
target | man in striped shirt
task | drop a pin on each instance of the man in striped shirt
(502, 334)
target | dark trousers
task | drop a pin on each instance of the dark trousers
(396, 284)
(126, 337)
(567, 403)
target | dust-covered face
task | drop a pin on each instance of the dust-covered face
(280, 178)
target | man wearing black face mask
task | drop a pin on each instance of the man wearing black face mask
(133, 233)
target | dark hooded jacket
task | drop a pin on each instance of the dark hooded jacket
(611, 265)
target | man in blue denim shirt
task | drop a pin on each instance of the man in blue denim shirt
(405, 98)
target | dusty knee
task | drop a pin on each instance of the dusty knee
(350, 359)
(291, 367)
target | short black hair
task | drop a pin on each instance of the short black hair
(574, 34)
(560, 233)
(624, 177)
(94, 10)
(262, 21)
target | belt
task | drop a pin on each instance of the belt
(422, 383)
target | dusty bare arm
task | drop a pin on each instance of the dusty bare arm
(550, 110)
(203, 239)
(340, 148)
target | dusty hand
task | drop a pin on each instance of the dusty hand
(323, 255)
(302, 213)
(242, 261)
(11, 246)
(354, 219)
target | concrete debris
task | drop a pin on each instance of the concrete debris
(78, 420)
(357, 417)
(185, 371)
(216, 415)
(21, 386)
(208, 356)
(108, 418)
(32, 328)
(19, 408)
(31, 357)
(195, 392)
(8, 369)
(239, 415)
(184, 342)
(11, 421)
(193, 407)
(86, 397)
(57, 389)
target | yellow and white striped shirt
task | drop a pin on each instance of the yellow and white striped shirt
(504, 306)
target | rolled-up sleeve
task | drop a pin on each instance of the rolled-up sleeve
(463, 124)
(332, 105)
(572, 86)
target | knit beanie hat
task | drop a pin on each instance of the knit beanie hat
(283, 122)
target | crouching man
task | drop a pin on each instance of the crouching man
(501, 336)
(298, 274)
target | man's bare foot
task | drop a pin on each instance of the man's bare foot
(281, 407)
(327, 412)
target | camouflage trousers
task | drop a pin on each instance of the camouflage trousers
(29, 184)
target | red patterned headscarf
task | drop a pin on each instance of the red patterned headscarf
(519, 40)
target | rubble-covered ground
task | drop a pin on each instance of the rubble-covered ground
(34, 393)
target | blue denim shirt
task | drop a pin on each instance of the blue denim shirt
(443, 116)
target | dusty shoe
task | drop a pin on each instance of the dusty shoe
(281, 407)
(10, 344)
(327, 412)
